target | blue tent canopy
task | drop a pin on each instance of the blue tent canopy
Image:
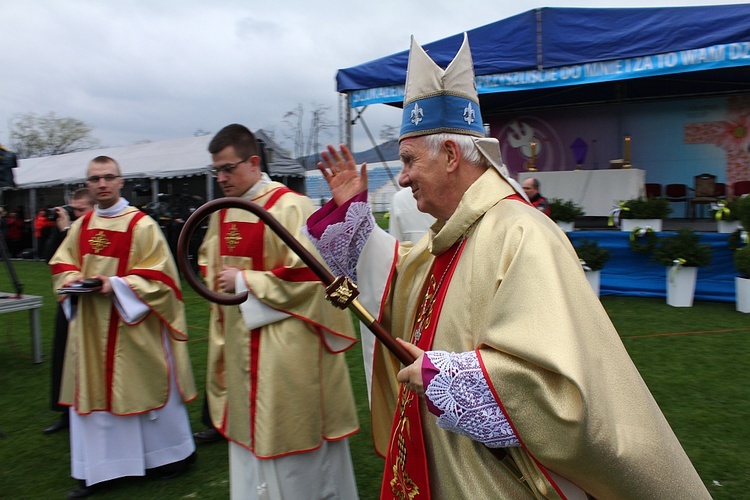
(557, 47)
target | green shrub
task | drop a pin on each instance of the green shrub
(649, 208)
(742, 209)
(592, 254)
(564, 211)
(742, 261)
(683, 245)
(735, 240)
(643, 240)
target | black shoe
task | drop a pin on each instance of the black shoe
(60, 424)
(84, 491)
(209, 435)
(174, 469)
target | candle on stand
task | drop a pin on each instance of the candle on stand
(627, 151)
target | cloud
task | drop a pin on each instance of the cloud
(155, 70)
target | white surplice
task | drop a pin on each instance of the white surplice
(104, 446)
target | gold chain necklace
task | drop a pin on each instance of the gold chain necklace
(428, 302)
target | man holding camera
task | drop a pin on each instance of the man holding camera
(80, 204)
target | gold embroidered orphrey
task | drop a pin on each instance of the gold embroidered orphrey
(403, 487)
(341, 292)
(99, 242)
(233, 237)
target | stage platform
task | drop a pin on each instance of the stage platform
(630, 274)
(706, 225)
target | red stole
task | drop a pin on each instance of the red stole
(405, 475)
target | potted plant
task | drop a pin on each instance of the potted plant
(682, 253)
(643, 240)
(564, 213)
(592, 257)
(741, 209)
(742, 282)
(725, 214)
(643, 212)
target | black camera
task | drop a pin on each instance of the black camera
(52, 213)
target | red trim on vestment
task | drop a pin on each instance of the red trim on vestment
(517, 197)
(117, 241)
(161, 276)
(111, 344)
(275, 194)
(295, 274)
(61, 268)
(254, 349)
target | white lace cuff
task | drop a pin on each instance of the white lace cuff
(461, 392)
(342, 242)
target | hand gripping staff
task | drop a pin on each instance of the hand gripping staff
(341, 292)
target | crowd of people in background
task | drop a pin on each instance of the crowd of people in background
(26, 238)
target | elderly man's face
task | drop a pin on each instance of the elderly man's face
(424, 175)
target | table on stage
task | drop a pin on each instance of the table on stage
(32, 303)
(597, 191)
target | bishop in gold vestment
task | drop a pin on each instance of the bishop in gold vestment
(521, 386)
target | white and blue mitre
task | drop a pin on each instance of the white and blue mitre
(446, 101)
(437, 100)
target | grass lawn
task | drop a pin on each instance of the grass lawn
(695, 361)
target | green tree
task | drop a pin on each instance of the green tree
(32, 136)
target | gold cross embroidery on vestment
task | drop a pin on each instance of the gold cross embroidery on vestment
(99, 242)
(233, 237)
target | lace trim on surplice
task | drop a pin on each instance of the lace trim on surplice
(342, 242)
(461, 392)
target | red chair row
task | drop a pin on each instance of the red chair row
(704, 192)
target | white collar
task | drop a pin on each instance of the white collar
(253, 191)
(115, 209)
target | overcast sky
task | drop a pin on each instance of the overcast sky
(152, 70)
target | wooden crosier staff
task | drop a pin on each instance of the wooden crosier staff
(341, 292)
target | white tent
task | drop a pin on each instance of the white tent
(47, 180)
(152, 160)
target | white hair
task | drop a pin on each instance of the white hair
(469, 151)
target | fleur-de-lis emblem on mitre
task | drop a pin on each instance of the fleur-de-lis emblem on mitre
(469, 114)
(417, 114)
